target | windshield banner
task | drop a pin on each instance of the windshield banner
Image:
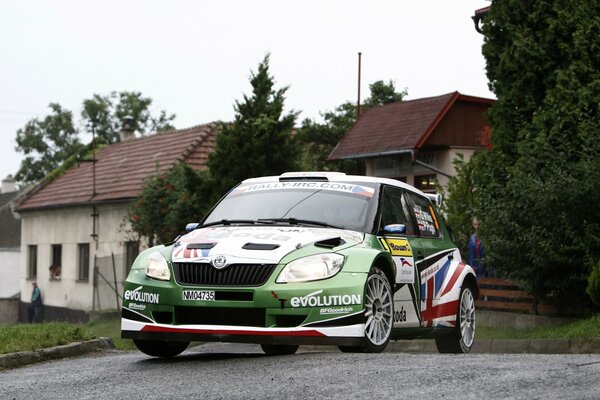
(330, 186)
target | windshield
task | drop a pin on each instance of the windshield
(343, 205)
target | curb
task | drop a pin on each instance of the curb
(491, 346)
(506, 346)
(482, 346)
(22, 358)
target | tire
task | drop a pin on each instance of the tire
(461, 338)
(279, 349)
(379, 314)
(159, 348)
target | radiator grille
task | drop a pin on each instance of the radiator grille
(205, 274)
(220, 316)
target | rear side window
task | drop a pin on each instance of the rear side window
(427, 222)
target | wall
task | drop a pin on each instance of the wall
(9, 311)
(69, 227)
(10, 272)
(402, 166)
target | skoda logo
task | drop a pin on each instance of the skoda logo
(219, 262)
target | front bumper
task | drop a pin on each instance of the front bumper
(343, 335)
(325, 312)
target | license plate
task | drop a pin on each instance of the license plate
(204, 295)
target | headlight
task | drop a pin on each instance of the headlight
(311, 268)
(157, 267)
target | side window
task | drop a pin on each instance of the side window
(394, 210)
(132, 249)
(32, 261)
(427, 222)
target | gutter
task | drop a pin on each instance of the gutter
(413, 155)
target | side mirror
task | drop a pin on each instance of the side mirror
(394, 228)
(190, 227)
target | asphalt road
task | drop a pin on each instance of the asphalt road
(224, 371)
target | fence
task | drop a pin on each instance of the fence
(504, 295)
(109, 275)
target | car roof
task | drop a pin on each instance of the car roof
(332, 177)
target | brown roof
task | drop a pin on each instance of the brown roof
(122, 167)
(397, 127)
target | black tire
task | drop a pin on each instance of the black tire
(279, 349)
(379, 314)
(350, 349)
(159, 348)
(460, 339)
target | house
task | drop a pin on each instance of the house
(10, 252)
(75, 237)
(415, 141)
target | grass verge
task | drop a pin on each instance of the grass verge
(28, 337)
(582, 328)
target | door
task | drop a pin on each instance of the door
(405, 248)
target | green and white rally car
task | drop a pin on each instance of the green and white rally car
(305, 258)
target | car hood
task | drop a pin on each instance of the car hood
(253, 244)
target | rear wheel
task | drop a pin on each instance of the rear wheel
(279, 349)
(379, 313)
(159, 348)
(461, 338)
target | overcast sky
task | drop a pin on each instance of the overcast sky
(193, 58)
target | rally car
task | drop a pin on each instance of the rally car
(306, 258)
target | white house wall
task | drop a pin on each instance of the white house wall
(69, 227)
(402, 166)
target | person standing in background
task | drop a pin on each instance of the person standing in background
(35, 308)
(476, 252)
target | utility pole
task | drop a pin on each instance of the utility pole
(358, 101)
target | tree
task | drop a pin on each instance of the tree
(538, 188)
(108, 113)
(46, 144)
(258, 142)
(319, 139)
(168, 202)
(459, 204)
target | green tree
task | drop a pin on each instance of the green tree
(318, 139)
(168, 202)
(459, 205)
(108, 115)
(258, 141)
(46, 144)
(49, 142)
(538, 188)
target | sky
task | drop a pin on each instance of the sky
(194, 58)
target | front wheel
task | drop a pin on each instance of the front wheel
(159, 348)
(461, 338)
(279, 349)
(379, 314)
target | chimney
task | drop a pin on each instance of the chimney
(128, 129)
(9, 185)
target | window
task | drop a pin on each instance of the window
(132, 249)
(427, 222)
(425, 183)
(394, 210)
(83, 263)
(32, 261)
(56, 262)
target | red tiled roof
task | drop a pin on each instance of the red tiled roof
(121, 168)
(396, 127)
